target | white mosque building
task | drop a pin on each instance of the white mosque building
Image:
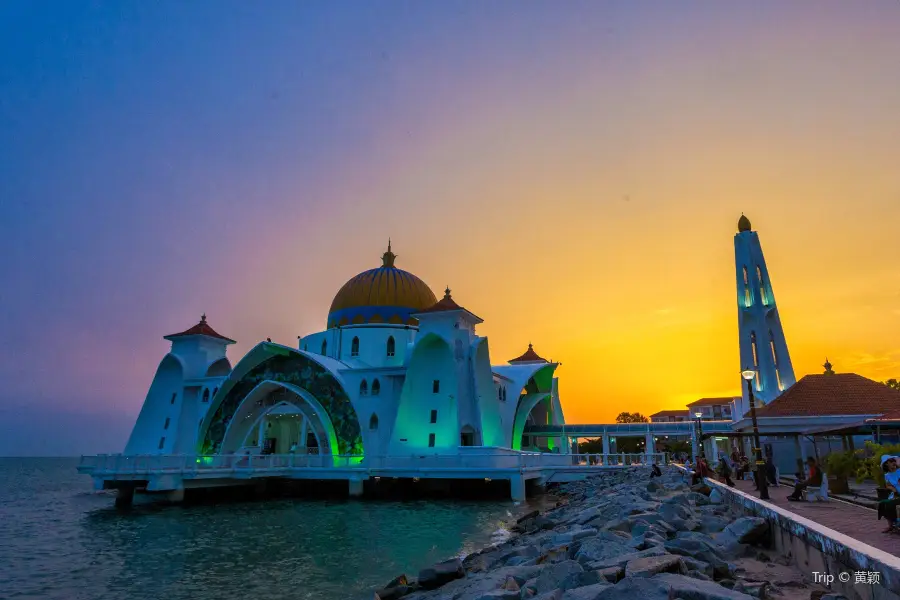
(396, 372)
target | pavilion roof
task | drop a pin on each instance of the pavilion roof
(834, 394)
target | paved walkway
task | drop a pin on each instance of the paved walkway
(857, 522)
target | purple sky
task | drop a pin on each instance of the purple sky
(162, 159)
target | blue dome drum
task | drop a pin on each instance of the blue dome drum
(383, 295)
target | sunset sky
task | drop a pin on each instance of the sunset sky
(574, 171)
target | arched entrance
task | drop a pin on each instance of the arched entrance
(277, 418)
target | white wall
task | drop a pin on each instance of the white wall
(373, 343)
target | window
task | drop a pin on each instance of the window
(363, 388)
(436, 386)
(434, 416)
(373, 422)
(324, 347)
(354, 347)
(206, 395)
(762, 286)
(499, 393)
(166, 425)
(748, 298)
(753, 349)
(772, 347)
(162, 442)
(431, 440)
(504, 393)
(778, 379)
(391, 346)
(214, 392)
(376, 387)
(172, 401)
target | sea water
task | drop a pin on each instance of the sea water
(61, 540)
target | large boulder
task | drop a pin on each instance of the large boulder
(582, 579)
(689, 588)
(588, 592)
(441, 573)
(649, 566)
(598, 548)
(636, 588)
(746, 530)
(553, 575)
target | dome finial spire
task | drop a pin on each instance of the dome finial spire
(827, 366)
(388, 257)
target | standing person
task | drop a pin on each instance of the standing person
(889, 508)
(725, 469)
(771, 472)
(814, 480)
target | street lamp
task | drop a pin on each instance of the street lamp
(699, 414)
(761, 481)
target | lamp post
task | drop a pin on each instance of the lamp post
(699, 414)
(761, 481)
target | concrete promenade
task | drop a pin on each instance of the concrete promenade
(851, 520)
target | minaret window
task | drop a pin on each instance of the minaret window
(162, 442)
(354, 347)
(772, 347)
(755, 359)
(376, 387)
(504, 393)
(434, 416)
(166, 424)
(391, 346)
(762, 286)
(373, 422)
(436, 386)
(431, 440)
(324, 347)
(172, 401)
(748, 298)
(363, 388)
(206, 395)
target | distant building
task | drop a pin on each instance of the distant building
(669, 416)
(713, 409)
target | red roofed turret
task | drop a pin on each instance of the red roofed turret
(201, 328)
(530, 356)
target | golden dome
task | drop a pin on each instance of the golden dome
(743, 224)
(383, 295)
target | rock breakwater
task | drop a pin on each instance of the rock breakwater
(620, 535)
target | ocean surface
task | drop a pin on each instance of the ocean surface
(59, 539)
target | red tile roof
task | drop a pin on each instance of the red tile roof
(201, 328)
(444, 304)
(711, 401)
(670, 413)
(529, 356)
(837, 394)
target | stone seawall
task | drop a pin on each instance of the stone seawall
(815, 548)
(622, 536)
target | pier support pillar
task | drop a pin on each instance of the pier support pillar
(517, 488)
(124, 497)
(175, 496)
(606, 449)
(356, 488)
(649, 443)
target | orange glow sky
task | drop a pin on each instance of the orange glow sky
(575, 176)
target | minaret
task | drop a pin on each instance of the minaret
(762, 342)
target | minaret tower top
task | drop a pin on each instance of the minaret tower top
(762, 342)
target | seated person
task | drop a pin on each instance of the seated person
(889, 508)
(700, 472)
(654, 471)
(814, 480)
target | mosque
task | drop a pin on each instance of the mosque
(395, 372)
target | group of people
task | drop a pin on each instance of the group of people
(889, 508)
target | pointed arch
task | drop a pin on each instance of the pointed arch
(324, 347)
(279, 364)
(391, 346)
(219, 368)
(363, 388)
(354, 346)
(373, 422)
(376, 387)
(206, 395)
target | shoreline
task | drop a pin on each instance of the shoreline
(616, 535)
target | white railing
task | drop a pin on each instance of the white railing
(119, 464)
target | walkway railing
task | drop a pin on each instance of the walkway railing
(119, 464)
